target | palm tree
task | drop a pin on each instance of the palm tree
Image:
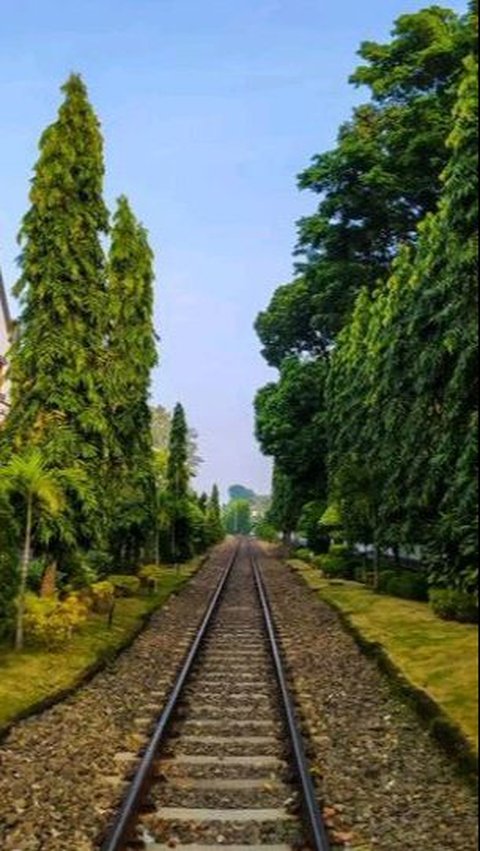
(26, 476)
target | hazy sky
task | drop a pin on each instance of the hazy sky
(209, 110)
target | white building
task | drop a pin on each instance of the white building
(5, 331)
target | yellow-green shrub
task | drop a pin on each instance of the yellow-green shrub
(150, 576)
(102, 594)
(51, 623)
(125, 585)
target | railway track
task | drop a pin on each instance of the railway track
(225, 765)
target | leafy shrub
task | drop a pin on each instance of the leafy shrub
(303, 554)
(102, 595)
(406, 584)
(51, 623)
(36, 569)
(150, 576)
(339, 563)
(8, 590)
(384, 579)
(452, 605)
(125, 585)
(264, 530)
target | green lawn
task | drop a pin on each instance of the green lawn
(33, 676)
(437, 656)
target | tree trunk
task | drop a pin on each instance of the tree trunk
(49, 581)
(23, 577)
(376, 566)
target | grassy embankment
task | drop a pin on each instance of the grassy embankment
(35, 677)
(437, 658)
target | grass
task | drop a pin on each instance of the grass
(36, 677)
(438, 657)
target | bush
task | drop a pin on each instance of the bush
(102, 595)
(339, 563)
(406, 584)
(150, 576)
(452, 605)
(8, 590)
(51, 623)
(125, 585)
(303, 554)
(36, 569)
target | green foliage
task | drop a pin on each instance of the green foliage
(290, 426)
(124, 585)
(213, 519)
(131, 355)
(309, 525)
(403, 583)
(452, 605)
(286, 503)
(338, 564)
(388, 272)
(241, 492)
(9, 567)
(58, 360)
(150, 576)
(102, 595)
(50, 623)
(237, 517)
(384, 174)
(265, 530)
(303, 554)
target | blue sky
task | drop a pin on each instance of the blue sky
(209, 110)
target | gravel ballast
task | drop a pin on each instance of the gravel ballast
(384, 782)
(63, 772)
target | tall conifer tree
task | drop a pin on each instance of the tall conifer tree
(58, 360)
(177, 486)
(131, 357)
(215, 531)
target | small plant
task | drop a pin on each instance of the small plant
(102, 596)
(125, 585)
(406, 584)
(150, 577)
(339, 563)
(50, 623)
(452, 605)
(303, 554)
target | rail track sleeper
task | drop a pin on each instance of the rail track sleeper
(318, 833)
(224, 769)
(120, 830)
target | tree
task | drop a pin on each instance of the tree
(237, 517)
(27, 477)
(214, 525)
(402, 392)
(383, 176)
(290, 426)
(241, 492)
(178, 476)
(161, 425)
(58, 360)
(132, 355)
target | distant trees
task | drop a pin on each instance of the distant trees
(375, 407)
(237, 517)
(213, 518)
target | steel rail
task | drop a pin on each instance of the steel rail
(314, 822)
(119, 833)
